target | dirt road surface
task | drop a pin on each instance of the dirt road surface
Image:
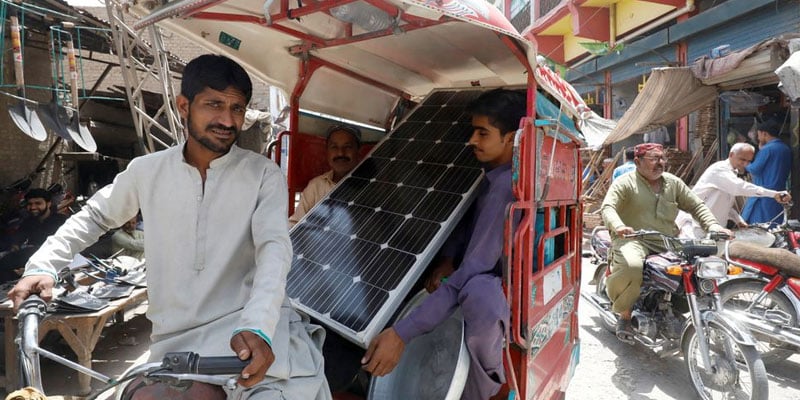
(610, 369)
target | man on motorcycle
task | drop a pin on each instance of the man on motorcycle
(720, 184)
(217, 247)
(647, 199)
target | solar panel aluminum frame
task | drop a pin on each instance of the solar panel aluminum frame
(379, 322)
(396, 296)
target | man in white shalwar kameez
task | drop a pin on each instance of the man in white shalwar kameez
(718, 187)
(217, 247)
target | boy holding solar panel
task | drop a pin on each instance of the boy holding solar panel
(469, 271)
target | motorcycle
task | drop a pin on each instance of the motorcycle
(766, 297)
(680, 310)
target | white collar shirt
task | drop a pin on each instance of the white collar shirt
(718, 187)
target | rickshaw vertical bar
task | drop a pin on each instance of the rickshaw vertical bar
(523, 254)
(523, 58)
(348, 30)
(516, 288)
(307, 68)
(284, 6)
(289, 13)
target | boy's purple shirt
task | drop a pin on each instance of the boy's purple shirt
(479, 241)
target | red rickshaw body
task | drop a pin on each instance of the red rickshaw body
(331, 67)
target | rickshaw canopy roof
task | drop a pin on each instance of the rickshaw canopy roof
(361, 74)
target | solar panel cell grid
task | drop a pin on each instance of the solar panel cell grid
(359, 252)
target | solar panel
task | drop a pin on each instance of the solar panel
(360, 250)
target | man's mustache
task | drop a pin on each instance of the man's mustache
(221, 127)
(341, 158)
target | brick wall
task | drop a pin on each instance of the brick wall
(20, 154)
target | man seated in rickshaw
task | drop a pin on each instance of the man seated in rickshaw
(342, 146)
(468, 274)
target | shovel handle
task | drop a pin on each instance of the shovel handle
(16, 45)
(73, 73)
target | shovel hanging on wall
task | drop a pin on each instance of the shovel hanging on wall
(53, 116)
(84, 137)
(23, 114)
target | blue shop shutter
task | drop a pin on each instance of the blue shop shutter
(740, 33)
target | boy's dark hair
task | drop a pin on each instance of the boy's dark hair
(505, 108)
(215, 72)
(38, 193)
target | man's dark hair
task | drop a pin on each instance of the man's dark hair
(38, 193)
(504, 108)
(215, 72)
(771, 126)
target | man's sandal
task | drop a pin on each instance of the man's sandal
(625, 331)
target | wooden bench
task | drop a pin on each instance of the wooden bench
(80, 331)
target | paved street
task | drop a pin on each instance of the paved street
(610, 369)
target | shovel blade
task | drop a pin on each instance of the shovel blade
(27, 121)
(48, 114)
(81, 135)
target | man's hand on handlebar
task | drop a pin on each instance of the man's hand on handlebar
(625, 230)
(721, 234)
(783, 197)
(32, 284)
(246, 345)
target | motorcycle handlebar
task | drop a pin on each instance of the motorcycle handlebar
(716, 236)
(642, 233)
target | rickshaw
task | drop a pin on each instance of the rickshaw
(377, 63)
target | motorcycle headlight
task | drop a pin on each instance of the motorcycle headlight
(711, 268)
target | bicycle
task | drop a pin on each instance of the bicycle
(178, 369)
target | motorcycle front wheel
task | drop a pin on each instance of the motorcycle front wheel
(736, 370)
(740, 295)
